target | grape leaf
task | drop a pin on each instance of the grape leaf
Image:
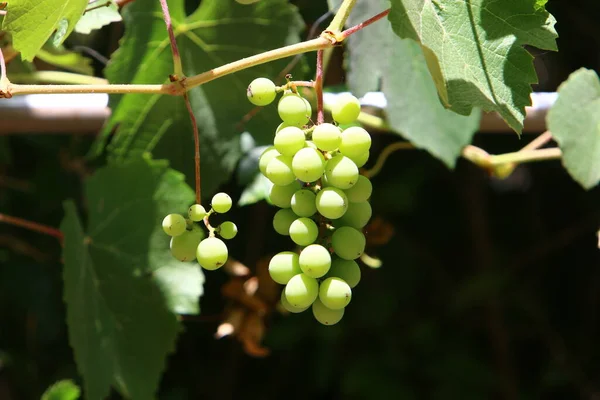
(66, 59)
(474, 50)
(120, 283)
(401, 73)
(97, 18)
(62, 390)
(574, 121)
(32, 22)
(216, 33)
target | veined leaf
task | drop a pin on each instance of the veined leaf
(32, 22)
(97, 18)
(121, 284)
(474, 50)
(216, 33)
(574, 121)
(413, 106)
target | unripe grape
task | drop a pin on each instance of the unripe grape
(315, 260)
(281, 196)
(308, 164)
(335, 293)
(261, 91)
(289, 140)
(357, 216)
(221, 203)
(183, 247)
(264, 159)
(279, 170)
(283, 266)
(348, 270)
(196, 212)
(286, 304)
(282, 221)
(294, 109)
(341, 172)
(302, 290)
(327, 137)
(348, 243)
(355, 142)
(326, 316)
(174, 224)
(345, 109)
(211, 253)
(303, 203)
(332, 202)
(361, 191)
(304, 231)
(361, 159)
(228, 230)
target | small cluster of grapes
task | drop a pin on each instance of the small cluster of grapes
(188, 238)
(323, 200)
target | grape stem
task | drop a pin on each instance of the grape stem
(329, 38)
(319, 87)
(177, 66)
(197, 175)
(211, 230)
(105, 4)
(4, 82)
(364, 24)
(32, 226)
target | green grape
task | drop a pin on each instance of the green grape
(311, 144)
(341, 172)
(266, 156)
(304, 231)
(281, 196)
(282, 221)
(308, 164)
(327, 137)
(279, 171)
(294, 109)
(261, 91)
(228, 230)
(183, 247)
(301, 291)
(347, 270)
(289, 140)
(211, 253)
(357, 216)
(332, 202)
(345, 109)
(361, 191)
(361, 159)
(326, 316)
(355, 141)
(174, 224)
(303, 203)
(315, 260)
(221, 203)
(196, 212)
(286, 304)
(283, 266)
(348, 243)
(281, 126)
(335, 293)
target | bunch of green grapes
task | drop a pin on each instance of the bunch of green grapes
(188, 240)
(323, 200)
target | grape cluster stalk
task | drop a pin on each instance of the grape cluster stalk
(188, 238)
(323, 198)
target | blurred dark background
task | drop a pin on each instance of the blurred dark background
(489, 289)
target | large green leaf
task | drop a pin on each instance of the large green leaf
(122, 287)
(62, 390)
(574, 121)
(32, 22)
(216, 33)
(474, 50)
(413, 106)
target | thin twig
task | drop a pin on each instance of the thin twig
(196, 148)
(106, 4)
(2, 67)
(364, 24)
(32, 226)
(538, 141)
(383, 156)
(341, 16)
(177, 67)
(319, 88)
